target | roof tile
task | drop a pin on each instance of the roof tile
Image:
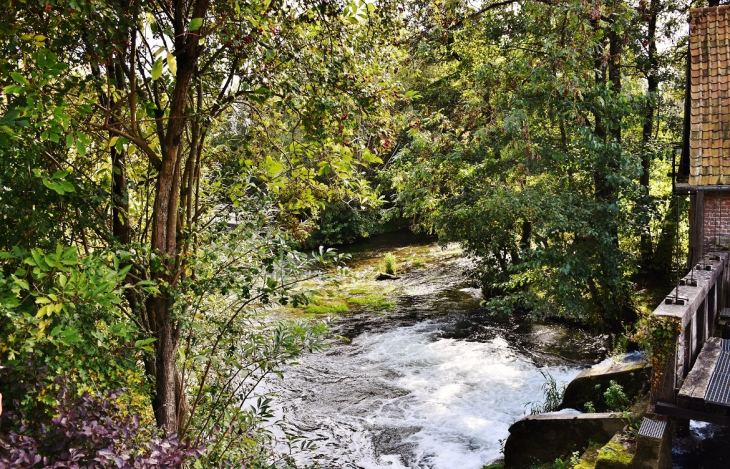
(710, 95)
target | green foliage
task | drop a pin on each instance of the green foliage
(185, 172)
(525, 145)
(332, 308)
(552, 394)
(341, 223)
(615, 397)
(389, 264)
(589, 407)
(63, 312)
(657, 336)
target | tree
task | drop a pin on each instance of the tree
(526, 146)
(113, 106)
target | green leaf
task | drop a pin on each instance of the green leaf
(145, 344)
(171, 63)
(19, 78)
(70, 336)
(21, 283)
(54, 186)
(273, 168)
(13, 89)
(66, 186)
(157, 69)
(195, 24)
(80, 147)
(60, 174)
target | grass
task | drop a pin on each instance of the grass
(389, 264)
(359, 289)
(373, 301)
(328, 308)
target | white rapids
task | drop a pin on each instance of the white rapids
(410, 398)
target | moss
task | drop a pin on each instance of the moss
(614, 455)
(330, 308)
(493, 466)
(588, 459)
(374, 301)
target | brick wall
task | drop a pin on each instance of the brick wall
(717, 220)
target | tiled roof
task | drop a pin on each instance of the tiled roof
(709, 142)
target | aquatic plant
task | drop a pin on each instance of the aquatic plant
(552, 392)
(389, 263)
(332, 308)
(374, 301)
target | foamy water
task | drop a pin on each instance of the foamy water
(410, 398)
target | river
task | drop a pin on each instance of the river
(433, 383)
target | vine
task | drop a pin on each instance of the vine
(657, 335)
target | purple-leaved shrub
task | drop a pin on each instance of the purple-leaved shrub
(89, 432)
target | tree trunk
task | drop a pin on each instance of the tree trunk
(652, 82)
(165, 216)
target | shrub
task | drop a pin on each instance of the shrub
(90, 431)
(615, 397)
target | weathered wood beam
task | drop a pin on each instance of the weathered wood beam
(692, 394)
(673, 410)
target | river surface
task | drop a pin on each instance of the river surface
(434, 383)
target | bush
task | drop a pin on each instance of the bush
(90, 431)
(615, 397)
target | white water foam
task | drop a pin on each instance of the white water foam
(456, 399)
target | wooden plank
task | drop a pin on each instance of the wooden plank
(692, 393)
(672, 410)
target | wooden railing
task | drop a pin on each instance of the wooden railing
(696, 304)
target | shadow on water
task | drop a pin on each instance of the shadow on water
(706, 447)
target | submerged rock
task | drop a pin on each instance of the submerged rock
(385, 276)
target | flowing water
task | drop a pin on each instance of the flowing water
(434, 383)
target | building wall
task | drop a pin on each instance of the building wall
(716, 223)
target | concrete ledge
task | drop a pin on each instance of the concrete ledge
(591, 383)
(539, 439)
(653, 453)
